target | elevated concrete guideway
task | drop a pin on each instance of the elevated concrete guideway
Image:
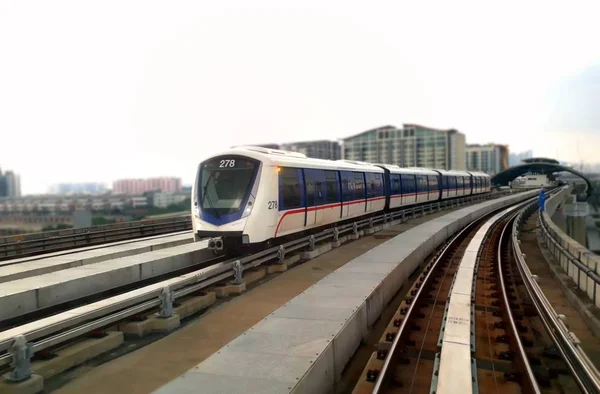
(304, 345)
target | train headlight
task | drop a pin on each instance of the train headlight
(197, 211)
(248, 209)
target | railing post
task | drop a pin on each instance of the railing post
(166, 302)
(281, 252)
(21, 352)
(355, 229)
(336, 234)
(238, 272)
(312, 242)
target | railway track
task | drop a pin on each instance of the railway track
(34, 244)
(470, 324)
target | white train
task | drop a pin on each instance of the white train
(251, 195)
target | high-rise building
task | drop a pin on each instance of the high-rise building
(13, 184)
(489, 158)
(10, 184)
(321, 149)
(140, 186)
(411, 146)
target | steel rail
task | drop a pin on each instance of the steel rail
(393, 352)
(584, 372)
(533, 384)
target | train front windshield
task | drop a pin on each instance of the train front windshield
(225, 184)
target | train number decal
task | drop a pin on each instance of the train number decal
(272, 204)
(227, 163)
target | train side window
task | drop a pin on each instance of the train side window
(315, 187)
(420, 184)
(290, 188)
(369, 184)
(347, 186)
(379, 184)
(359, 186)
(395, 180)
(408, 183)
(373, 185)
(310, 191)
(433, 183)
(331, 187)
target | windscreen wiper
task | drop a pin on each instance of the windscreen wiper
(205, 196)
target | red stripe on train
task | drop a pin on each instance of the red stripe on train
(320, 207)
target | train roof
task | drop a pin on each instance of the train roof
(479, 173)
(275, 157)
(454, 172)
(394, 169)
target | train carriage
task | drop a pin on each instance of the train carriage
(254, 195)
(455, 184)
(409, 186)
(480, 182)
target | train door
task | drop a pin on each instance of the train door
(347, 192)
(445, 192)
(331, 186)
(360, 195)
(374, 190)
(453, 185)
(315, 196)
(395, 191)
(370, 189)
(409, 189)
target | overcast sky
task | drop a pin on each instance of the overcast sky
(95, 91)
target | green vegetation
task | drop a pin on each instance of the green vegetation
(173, 208)
(60, 226)
(101, 221)
(183, 206)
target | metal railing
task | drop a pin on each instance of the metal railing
(48, 332)
(27, 245)
(578, 262)
(583, 370)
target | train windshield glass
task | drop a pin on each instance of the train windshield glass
(226, 182)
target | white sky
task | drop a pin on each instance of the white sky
(94, 91)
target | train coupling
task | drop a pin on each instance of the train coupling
(215, 244)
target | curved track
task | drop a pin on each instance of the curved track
(472, 323)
